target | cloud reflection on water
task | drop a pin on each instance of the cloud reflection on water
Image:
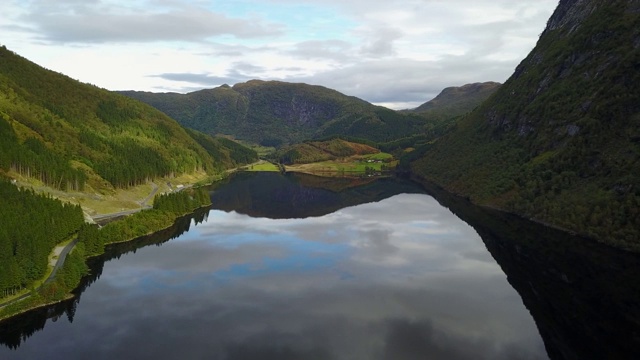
(399, 279)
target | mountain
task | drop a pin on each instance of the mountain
(559, 142)
(68, 134)
(274, 113)
(456, 101)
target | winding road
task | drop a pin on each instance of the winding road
(62, 252)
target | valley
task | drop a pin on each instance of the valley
(541, 172)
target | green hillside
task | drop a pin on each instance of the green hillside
(68, 134)
(315, 151)
(83, 144)
(560, 140)
(274, 113)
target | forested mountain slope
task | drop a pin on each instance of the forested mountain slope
(560, 140)
(274, 113)
(443, 111)
(67, 134)
(32, 225)
(76, 137)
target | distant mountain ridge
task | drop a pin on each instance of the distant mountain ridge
(459, 100)
(277, 113)
(559, 142)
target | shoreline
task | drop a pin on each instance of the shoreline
(69, 295)
(424, 182)
(51, 272)
(432, 186)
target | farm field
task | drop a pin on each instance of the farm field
(371, 164)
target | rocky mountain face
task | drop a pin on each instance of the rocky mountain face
(275, 113)
(560, 140)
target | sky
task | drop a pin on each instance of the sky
(395, 53)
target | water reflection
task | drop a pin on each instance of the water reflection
(585, 297)
(295, 195)
(19, 328)
(402, 278)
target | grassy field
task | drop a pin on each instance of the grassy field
(262, 166)
(355, 165)
(261, 150)
(107, 200)
(379, 156)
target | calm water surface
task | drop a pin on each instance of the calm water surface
(400, 278)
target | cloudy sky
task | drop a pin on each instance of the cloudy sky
(398, 53)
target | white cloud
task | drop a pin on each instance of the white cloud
(394, 52)
(98, 22)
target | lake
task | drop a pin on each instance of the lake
(301, 267)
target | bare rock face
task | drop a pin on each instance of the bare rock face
(570, 14)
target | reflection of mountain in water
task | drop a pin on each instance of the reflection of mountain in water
(277, 196)
(584, 297)
(17, 329)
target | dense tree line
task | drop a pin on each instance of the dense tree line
(67, 277)
(166, 208)
(66, 280)
(139, 224)
(182, 201)
(34, 159)
(32, 225)
(131, 164)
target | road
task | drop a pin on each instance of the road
(100, 219)
(63, 252)
(144, 202)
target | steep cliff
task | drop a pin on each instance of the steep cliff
(560, 140)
